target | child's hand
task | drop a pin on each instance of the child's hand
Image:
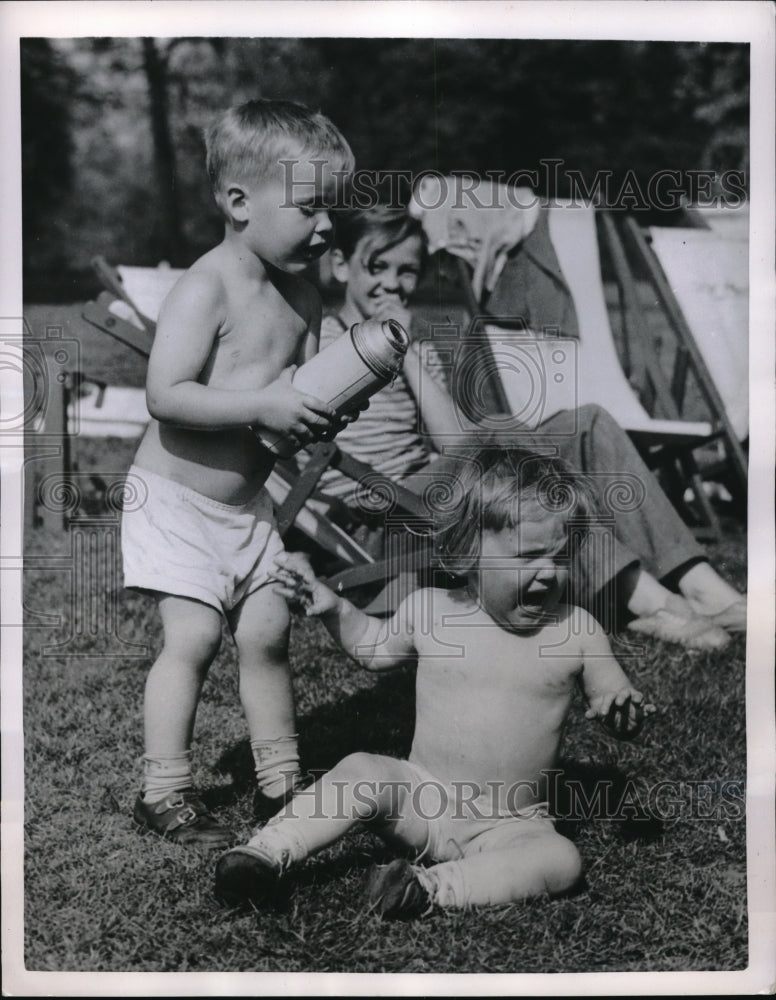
(465, 246)
(344, 419)
(392, 307)
(350, 415)
(287, 411)
(622, 713)
(297, 582)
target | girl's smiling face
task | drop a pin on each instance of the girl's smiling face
(522, 572)
(378, 279)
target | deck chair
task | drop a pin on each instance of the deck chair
(702, 277)
(127, 310)
(479, 223)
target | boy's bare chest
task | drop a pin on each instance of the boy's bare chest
(261, 336)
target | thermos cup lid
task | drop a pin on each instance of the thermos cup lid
(381, 345)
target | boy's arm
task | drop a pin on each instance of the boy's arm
(189, 322)
(375, 643)
(311, 343)
(611, 697)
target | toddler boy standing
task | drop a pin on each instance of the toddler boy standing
(229, 336)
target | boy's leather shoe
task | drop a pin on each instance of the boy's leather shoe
(248, 874)
(394, 892)
(183, 818)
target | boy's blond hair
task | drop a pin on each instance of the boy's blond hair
(247, 141)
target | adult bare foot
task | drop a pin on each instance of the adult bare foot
(708, 594)
(733, 618)
(693, 632)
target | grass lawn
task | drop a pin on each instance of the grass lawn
(665, 883)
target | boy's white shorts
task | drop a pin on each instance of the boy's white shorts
(179, 542)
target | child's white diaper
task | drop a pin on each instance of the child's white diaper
(444, 823)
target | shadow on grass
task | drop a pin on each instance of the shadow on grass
(378, 719)
(589, 791)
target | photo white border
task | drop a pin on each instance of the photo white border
(750, 21)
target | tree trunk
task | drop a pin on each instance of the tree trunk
(167, 237)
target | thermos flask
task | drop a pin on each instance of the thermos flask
(347, 372)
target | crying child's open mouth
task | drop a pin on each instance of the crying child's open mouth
(535, 606)
(537, 599)
(314, 252)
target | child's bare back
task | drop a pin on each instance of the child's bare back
(231, 325)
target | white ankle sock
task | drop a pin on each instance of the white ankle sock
(165, 773)
(282, 841)
(277, 764)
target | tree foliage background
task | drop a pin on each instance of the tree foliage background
(111, 127)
